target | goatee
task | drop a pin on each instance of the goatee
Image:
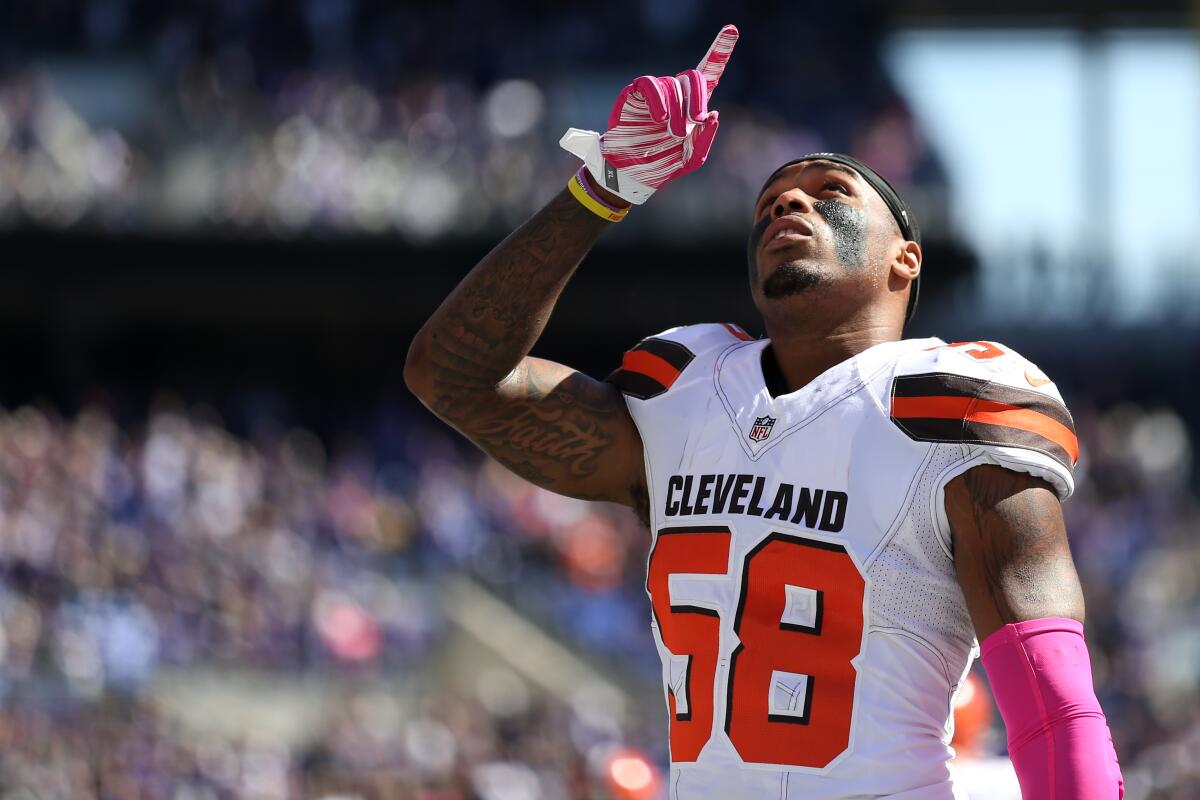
(790, 278)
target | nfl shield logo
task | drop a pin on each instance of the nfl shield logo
(761, 428)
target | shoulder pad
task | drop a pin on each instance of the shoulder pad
(982, 393)
(976, 359)
(705, 336)
(652, 366)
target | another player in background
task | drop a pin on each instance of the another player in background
(838, 515)
(977, 774)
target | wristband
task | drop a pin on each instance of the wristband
(588, 199)
(581, 175)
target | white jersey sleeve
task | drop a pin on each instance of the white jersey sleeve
(990, 404)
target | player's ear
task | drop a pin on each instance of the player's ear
(907, 263)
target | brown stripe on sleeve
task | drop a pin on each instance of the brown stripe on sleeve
(936, 384)
(939, 407)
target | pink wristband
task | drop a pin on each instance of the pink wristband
(1058, 738)
(582, 177)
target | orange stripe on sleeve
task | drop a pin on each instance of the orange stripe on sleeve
(651, 366)
(938, 407)
(988, 412)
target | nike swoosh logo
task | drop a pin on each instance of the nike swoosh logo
(1036, 378)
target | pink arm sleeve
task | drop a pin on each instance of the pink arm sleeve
(1058, 738)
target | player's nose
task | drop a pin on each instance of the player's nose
(791, 202)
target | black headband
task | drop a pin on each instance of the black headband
(900, 211)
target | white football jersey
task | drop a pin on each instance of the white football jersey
(804, 600)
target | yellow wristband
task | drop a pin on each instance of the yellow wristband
(591, 204)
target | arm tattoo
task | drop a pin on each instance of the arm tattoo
(491, 321)
(549, 424)
(565, 426)
(1010, 548)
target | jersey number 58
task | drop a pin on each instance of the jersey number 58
(789, 689)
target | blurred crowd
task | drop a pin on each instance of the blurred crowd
(460, 750)
(174, 545)
(359, 116)
(168, 544)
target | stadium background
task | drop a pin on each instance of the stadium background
(239, 560)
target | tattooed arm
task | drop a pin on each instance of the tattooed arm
(469, 364)
(1010, 549)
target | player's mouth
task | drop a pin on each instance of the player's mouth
(786, 230)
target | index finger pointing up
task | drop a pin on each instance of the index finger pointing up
(714, 61)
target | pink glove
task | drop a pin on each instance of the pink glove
(659, 128)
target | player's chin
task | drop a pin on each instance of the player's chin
(791, 278)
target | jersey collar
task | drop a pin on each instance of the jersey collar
(740, 384)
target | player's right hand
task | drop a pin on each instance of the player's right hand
(659, 128)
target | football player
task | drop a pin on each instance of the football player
(839, 515)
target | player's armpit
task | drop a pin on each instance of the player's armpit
(559, 429)
(1010, 549)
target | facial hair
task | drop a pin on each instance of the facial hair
(849, 228)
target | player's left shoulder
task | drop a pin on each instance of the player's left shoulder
(981, 393)
(980, 368)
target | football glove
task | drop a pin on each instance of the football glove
(659, 128)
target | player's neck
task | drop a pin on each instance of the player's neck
(802, 355)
